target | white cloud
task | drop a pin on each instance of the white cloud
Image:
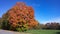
(57, 19)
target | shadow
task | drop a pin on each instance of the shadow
(57, 32)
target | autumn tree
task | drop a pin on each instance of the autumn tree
(20, 17)
(5, 22)
(0, 22)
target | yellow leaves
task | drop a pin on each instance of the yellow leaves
(26, 26)
(14, 24)
(20, 25)
(24, 21)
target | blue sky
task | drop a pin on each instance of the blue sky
(45, 10)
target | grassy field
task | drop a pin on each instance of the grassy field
(44, 31)
(32, 32)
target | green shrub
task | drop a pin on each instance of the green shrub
(22, 28)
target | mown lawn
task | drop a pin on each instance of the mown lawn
(44, 31)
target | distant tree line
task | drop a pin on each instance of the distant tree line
(48, 26)
(51, 25)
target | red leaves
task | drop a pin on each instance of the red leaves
(21, 13)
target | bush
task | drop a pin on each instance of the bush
(21, 28)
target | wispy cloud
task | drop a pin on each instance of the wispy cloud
(56, 19)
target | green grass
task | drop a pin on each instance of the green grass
(44, 31)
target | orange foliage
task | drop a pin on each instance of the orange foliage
(21, 13)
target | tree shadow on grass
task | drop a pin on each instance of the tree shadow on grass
(57, 32)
